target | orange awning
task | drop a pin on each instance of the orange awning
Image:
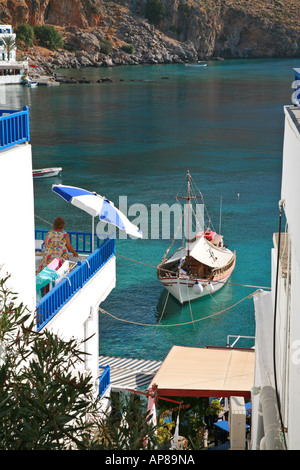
(206, 372)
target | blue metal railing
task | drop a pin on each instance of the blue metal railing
(14, 127)
(81, 241)
(104, 380)
(52, 302)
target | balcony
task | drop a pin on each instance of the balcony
(104, 379)
(90, 263)
(14, 127)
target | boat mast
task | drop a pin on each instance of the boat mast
(220, 215)
(188, 198)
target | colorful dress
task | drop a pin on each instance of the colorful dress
(56, 248)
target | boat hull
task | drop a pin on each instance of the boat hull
(196, 65)
(46, 172)
(184, 289)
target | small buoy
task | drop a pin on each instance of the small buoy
(238, 194)
(210, 288)
(197, 288)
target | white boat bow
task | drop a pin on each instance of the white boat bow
(46, 172)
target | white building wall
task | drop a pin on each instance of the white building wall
(288, 337)
(79, 318)
(9, 63)
(263, 359)
(11, 79)
(17, 222)
(237, 423)
(7, 31)
(282, 352)
(290, 191)
(294, 365)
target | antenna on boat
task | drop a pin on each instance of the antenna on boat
(188, 199)
(220, 215)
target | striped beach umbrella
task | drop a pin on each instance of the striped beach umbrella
(97, 206)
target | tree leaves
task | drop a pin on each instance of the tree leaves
(43, 400)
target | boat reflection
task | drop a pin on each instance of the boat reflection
(166, 306)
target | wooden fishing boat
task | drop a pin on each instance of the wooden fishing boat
(199, 268)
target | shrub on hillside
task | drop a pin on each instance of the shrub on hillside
(128, 48)
(155, 11)
(24, 35)
(48, 36)
(106, 46)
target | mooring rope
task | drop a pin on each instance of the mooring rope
(193, 321)
(225, 282)
(159, 321)
(101, 310)
(162, 269)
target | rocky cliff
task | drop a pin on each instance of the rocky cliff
(190, 30)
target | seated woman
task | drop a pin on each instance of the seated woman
(57, 244)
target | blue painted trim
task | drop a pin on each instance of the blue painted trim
(70, 192)
(104, 380)
(14, 127)
(52, 302)
(81, 241)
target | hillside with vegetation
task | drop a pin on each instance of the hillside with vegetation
(113, 32)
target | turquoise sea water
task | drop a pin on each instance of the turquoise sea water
(136, 137)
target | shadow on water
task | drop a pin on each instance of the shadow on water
(224, 313)
(150, 329)
(169, 308)
(166, 306)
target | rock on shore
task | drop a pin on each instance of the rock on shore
(149, 47)
(191, 30)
